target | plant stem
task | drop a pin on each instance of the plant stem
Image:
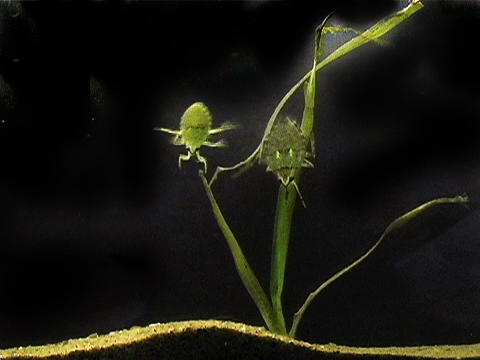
(286, 199)
(283, 220)
(247, 276)
(287, 196)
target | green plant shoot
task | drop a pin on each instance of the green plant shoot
(398, 223)
(274, 320)
(195, 131)
(246, 273)
(372, 34)
(283, 150)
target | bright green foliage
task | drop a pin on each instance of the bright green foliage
(195, 130)
(344, 29)
(374, 34)
(244, 270)
(395, 225)
(283, 151)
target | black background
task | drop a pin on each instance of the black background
(99, 229)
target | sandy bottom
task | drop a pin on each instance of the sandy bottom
(219, 340)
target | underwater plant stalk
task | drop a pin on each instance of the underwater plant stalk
(272, 312)
(399, 222)
(287, 195)
(281, 236)
(249, 279)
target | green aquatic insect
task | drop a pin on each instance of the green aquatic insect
(285, 151)
(195, 129)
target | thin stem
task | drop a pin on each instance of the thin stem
(287, 196)
(399, 222)
(247, 276)
(283, 221)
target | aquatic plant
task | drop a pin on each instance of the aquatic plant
(283, 150)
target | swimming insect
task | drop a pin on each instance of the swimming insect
(284, 152)
(195, 129)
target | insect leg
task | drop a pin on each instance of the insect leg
(224, 127)
(177, 140)
(220, 143)
(307, 164)
(243, 165)
(184, 158)
(202, 160)
(173, 132)
(299, 193)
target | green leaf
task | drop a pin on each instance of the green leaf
(246, 273)
(394, 226)
(372, 34)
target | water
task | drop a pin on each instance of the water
(101, 231)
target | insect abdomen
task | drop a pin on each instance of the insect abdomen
(195, 125)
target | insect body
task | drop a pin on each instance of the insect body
(284, 152)
(195, 130)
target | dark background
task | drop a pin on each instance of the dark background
(99, 229)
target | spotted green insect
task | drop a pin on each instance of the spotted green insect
(284, 152)
(195, 130)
